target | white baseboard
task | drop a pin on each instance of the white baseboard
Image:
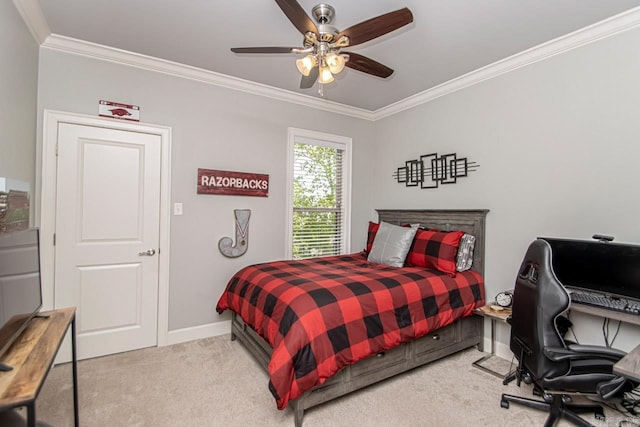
(198, 332)
(500, 349)
(503, 351)
(178, 336)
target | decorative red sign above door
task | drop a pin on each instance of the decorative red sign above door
(119, 111)
(211, 181)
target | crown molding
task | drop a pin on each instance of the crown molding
(582, 37)
(35, 21)
(33, 18)
(123, 57)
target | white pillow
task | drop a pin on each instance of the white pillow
(465, 252)
(391, 244)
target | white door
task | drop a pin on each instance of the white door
(107, 236)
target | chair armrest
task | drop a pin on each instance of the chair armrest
(578, 351)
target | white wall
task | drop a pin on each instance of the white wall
(214, 128)
(18, 86)
(558, 147)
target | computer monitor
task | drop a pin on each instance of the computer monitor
(609, 268)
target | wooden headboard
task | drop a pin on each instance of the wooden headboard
(470, 221)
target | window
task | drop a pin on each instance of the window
(319, 194)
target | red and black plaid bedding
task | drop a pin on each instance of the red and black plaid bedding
(322, 314)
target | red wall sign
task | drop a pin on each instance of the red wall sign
(119, 111)
(212, 181)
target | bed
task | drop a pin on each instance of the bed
(301, 375)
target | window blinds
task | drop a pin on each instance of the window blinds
(317, 200)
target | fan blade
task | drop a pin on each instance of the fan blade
(297, 16)
(376, 27)
(367, 65)
(267, 49)
(308, 81)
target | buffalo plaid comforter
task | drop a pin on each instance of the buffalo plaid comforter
(322, 314)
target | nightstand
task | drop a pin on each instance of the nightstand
(495, 316)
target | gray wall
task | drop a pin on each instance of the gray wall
(557, 143)
(213, 128)
(18, 86)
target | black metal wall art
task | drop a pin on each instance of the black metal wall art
(431, 170)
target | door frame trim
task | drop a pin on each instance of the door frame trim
(48, 204)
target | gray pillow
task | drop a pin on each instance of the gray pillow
(391, 244)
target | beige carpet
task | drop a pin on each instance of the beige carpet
(216, 382)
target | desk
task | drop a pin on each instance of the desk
(495, 316)
(603, 312)
(629, 366)
(31, 357)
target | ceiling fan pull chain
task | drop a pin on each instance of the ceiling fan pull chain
(320, 89)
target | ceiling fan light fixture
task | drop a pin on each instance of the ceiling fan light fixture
(325, 76)
(306, 64)
(323, 42)
(335, 62)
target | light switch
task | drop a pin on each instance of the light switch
(177, 208)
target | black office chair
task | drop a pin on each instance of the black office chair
(557, 368)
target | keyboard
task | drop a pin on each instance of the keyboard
(605, 302)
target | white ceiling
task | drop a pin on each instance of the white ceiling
(448, 38)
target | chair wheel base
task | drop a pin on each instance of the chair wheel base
(557, 409)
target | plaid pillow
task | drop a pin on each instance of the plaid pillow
(371, 235)
(435, 249)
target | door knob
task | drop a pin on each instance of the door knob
(148, 252)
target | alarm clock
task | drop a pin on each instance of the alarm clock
(504, 299)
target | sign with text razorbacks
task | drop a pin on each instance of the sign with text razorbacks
(211, 181)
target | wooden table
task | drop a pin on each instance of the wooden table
(31, 358)
(495, 316)
(629, 366)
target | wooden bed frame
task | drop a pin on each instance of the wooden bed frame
(464, 333)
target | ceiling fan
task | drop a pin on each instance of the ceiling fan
(323, 43)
